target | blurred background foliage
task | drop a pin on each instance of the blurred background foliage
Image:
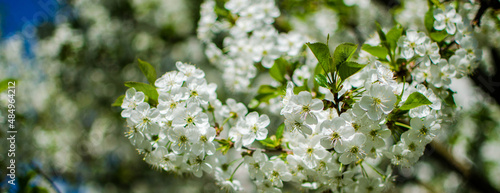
(72, 57)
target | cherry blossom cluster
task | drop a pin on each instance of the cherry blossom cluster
(251, 39)
(320, 148)
(178, 133)
(418, 46)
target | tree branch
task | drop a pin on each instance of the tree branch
(473, 178)
(489, 84)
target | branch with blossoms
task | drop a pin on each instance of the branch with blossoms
(341, 113)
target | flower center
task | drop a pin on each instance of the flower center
(189, 120)
(305, 108)
(203, 138)
(373, 133)
(275, 174)
(310, 151)
(183, 139)
(412, 147)
(424, 131)
(354, 150)
(356, 126)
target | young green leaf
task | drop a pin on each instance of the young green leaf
(270, 142)
(348, 69)
(38, 189)
(321, 80)
(438, 36)
(377, 51)
(4, 84)
(253, 104)
(393, 37)
(381, 33)
(343, 53)
(147, 89)
(148, 70)
(429, 19)
(278, 70)
(449, 99)
(267, 142)
(415, 99)
(265, 93)
(322, 53)
(118, 102)
(279, 132)
(266, 89)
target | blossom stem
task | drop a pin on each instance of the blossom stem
(234, 161)
(363, 170)
(374, 169)
(280, 150)
(232, 175)
(168, 145)
(402, 125)
(223, 123)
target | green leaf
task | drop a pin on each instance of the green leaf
(381, 33)
(268, 143)
(278, 70)
(147, 89)
(343, 53)
(348, 69)
(4, 84)
(279, 132)
(415, 99)
(377, 51)
(429, 19)
(299, 89)
(437, 3)
(148, 70)
(438, 36)
(449, 99)
(39, 189)
(321, 80)
(266, 92)
(266, 89)
(283, 156)
(271, 142)
(264, 98)
(254, 103)
(393, 36)
(118, 102)
(322, 53)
